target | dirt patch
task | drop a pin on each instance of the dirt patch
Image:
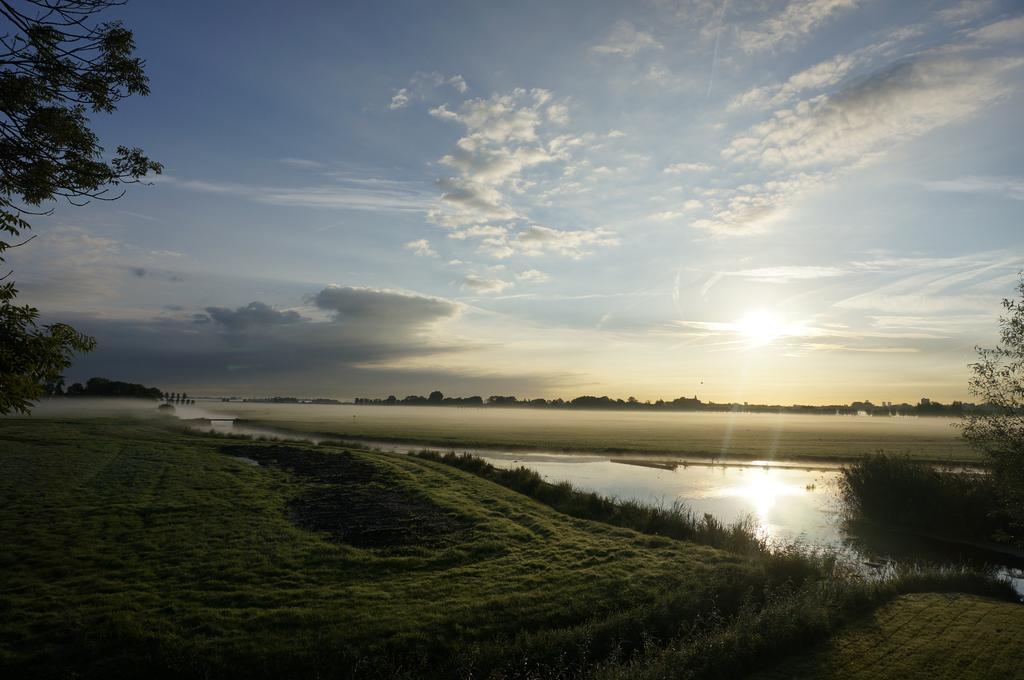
(354, 501)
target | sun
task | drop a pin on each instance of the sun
(760, 328)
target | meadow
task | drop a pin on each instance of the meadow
(129, 547)
(737, 435)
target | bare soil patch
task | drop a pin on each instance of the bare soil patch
(354, 501)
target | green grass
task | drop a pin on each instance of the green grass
(127, 547)
(129, 550)
(928, 636)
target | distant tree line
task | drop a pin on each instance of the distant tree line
(287, 400)
(102, 387)
(924, 407)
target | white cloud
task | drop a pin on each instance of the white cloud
(816, 77)
(665, 216)
(783, 274)
(677, 168)
(558, 114)
(1007, 30)
(507, 136)
(537, 240)
(964, 11)
(1007, 187)
(756, 208)
(301, 163)
(478, 231)
(459, 83)
(532, 276)
(625, 40)
(422, 86)
(797, 19)
(400, 99)
(897, 104)
(485, 286)
(421, 248)
(363, 194)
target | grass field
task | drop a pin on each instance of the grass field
(129, 550)
(927, 636)
(758, 436)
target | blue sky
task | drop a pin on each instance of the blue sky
(810, 201)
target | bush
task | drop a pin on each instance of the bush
(896, 491)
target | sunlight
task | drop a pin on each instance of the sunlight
(763, 492)
(760, 328)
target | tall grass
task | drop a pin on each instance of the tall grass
(895, 491)
(676, 521)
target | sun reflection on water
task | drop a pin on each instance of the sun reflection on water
(763, 491)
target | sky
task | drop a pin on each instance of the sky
(803, 201)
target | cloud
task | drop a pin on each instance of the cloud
(677, 168)
(783, 274)
(254, 315)
(936, 286)
(537, 240)
(371, 195)
(385, 307)
(372, 337)
(506, 137)
(756, 208)
(817, 77)
(1005, 187)
(301, 163)
(400, 99)
(1007, 30)
(796, 20)
(817, 140)
(625, 40)
(421, 248)
(558, 114)
(532, 276)
(422, 85)
(70, 268)
(964, 11)
(900, 103)
(665, 215)
(483, 285)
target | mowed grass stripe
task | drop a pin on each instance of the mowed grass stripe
(928, 636)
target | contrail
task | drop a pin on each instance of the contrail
(718, 37)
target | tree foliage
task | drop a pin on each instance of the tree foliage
(998, 381)
(59, 63)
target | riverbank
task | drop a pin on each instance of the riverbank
(130, 550)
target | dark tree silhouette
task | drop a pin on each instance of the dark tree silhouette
(436, 397)
(998, 430)
(58, 63)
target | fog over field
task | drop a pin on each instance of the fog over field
(746, 435)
